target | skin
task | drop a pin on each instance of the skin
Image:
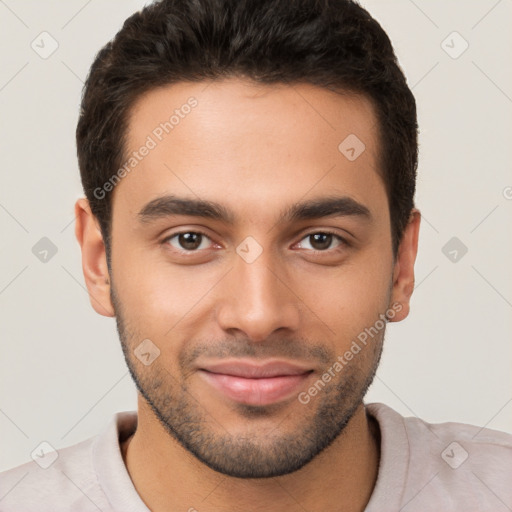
(255, 149)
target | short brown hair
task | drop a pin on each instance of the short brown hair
(334, 44)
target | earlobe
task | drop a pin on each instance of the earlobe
(94, 258)
(403, 272)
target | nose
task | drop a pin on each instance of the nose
(258, 299)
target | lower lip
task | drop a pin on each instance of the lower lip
(263, 391)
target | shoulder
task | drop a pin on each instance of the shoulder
(68, 478)
(66, 473)
(421, 433)
(453, 464)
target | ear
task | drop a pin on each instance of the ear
(94, 258)
(403, 273)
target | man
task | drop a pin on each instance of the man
(249, 170)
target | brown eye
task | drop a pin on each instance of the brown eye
(321, 241)
(188, 241)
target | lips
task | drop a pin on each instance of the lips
(255, 384)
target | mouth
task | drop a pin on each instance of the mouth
(255, 384)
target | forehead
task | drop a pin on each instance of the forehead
(251, 146)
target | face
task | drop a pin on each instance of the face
(251, 250)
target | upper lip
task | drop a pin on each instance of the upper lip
(253, 370)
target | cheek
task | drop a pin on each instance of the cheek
(353, 296)
(155, 294)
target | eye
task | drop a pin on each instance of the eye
(322, 241)
(189, 241)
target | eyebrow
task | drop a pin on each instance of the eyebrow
(170, 205)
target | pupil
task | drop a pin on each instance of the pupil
(321, 241)
(190, 240)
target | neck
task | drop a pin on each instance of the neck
(168, 477)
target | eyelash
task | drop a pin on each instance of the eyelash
(343, 241)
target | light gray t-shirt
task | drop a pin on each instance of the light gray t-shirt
(423, 468)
